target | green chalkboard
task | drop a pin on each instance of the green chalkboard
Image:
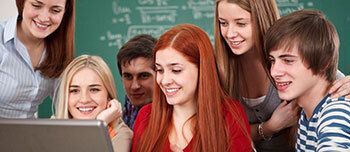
(102, 27)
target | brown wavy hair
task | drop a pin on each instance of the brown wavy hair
(263, 14)
(59, 44)
(208, 124)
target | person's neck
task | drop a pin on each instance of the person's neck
(181, 133)
(310, 99)
(253, 76)
(184, 112)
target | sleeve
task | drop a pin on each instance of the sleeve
(339, 74)
(140, 124)
(334, 127)
(122, 140)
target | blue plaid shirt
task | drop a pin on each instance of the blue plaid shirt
(130, 113)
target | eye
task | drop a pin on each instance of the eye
(176, 71)
(288, 61)
(144, 76)
(223, 23)
(271, 60)
(95, 90)
(56, 10)
(74, 91)
(36, 5)
(241, 24)
(127, 76)
(159, 70)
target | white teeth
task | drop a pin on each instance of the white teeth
(41, 25)
(236, 42)
(171, 90)
(283, 83)
(85, 109)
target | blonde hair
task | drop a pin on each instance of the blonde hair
(94, 63)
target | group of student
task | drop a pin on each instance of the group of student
(247, 93)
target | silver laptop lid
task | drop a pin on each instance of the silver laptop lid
(53, 135)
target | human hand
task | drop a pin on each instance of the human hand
(113, 111)
(340, 87)
(284, 116)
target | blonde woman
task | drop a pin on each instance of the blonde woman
(87, 91)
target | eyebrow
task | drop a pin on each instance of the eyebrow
(55, 6)
(286, 55)
(169, 65)
(236, 19)
(40, 2)
(92, 85)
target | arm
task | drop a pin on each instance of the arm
(122, 141)
(334, 127)
(284, 116)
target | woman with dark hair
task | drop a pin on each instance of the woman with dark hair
(190, 111)
(35, 47)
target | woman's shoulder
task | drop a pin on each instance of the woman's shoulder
(145, 110)
(143, 116)
(232, 104)
(237, 125)
(234, 112)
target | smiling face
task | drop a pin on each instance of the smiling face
(292, 76)
(176, 76)
(42, 17)
(236, 27)
(88, 95)
(138, 78)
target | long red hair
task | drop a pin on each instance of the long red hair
(210, 133)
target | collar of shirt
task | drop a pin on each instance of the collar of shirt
(10, 29)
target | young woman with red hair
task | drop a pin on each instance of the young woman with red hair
(190, 111)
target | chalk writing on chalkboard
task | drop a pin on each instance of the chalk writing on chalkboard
(156, 16)
(153, 17)
(200, 9)
(289, 6)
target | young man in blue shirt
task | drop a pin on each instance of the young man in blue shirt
(136, 67)
(302, 49)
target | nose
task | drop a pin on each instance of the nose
(44, 15)
(85, 97)
(231, 32)
(135, 84)
(277, 70)
(164, 79)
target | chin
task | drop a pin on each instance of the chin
(41, 36)
(238, 51)
(284, 96)
(85, 117)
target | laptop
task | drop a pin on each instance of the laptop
(53, 135)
